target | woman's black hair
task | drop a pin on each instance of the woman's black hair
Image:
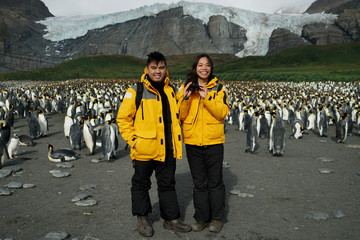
(192, 75)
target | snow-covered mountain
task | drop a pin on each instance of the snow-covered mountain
(259, 26)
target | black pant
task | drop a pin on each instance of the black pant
(141, 184)
(209, 190)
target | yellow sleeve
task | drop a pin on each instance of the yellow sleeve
(125, 117)
(217, 104)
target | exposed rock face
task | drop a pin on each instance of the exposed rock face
(282, 39)
(22, 46)
(346, 28)
(227, 37)
(349, 22)
(320, 34)
(332, 6)
(169, 32)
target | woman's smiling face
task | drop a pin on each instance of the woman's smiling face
(203, 68)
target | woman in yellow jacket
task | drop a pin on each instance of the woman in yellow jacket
(203, 108)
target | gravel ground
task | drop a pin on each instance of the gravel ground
(290, 195)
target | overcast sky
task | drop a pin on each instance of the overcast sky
(90, 7)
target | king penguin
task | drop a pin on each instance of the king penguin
(5, 131)
(252, 135)
(297, 128)
(25, 140)
(61, 155)
(341, 129)
(277, 137)
(68, 122)
(108, 141)
(311, 120)
(13, 146)
(89, 136)
(34, 127)
(75, 134)
(322, 123)
(4, 155)
(43, 123)
(264, 127)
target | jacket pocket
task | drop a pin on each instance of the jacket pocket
(147, 145)
(215, 131)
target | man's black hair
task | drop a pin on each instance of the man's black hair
(157, 57)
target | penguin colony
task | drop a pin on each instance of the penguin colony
(261, 109)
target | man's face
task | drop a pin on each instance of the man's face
(156, 72)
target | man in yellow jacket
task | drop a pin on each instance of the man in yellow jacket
(153, 132)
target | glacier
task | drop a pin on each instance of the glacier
(259, 26)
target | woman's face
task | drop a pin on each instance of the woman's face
(203, 68)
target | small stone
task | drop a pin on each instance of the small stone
(226, 165)
(338, 214)
(325, 170)
(5, 173)
(250, 187)
(28, 185)
(4, 192)
(17, 169)
(317, 216)
(80, 197)
(57, 235)
(95, 160)
(235, 192)
(85, 203)
(65, 165)
(325, 159)
(14, 185)
(87, 187)
(60, 174)
(323, 141)
(244, 195)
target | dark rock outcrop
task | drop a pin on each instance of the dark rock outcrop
(349, 22)
(345, 29)
(321, 34)
(282, 39)
(332, 6)
(226, 36)
(22, 46)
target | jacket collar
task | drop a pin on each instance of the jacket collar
(147, 82)
(212, 83)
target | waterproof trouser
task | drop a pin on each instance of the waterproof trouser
(209, 190)
(141, 184)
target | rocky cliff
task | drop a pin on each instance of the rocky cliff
(345, 29)
(170, 32)
(23, 47)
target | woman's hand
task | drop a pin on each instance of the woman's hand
(187, 92)
(203, 91)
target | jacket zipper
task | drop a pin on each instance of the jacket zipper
(142, 110)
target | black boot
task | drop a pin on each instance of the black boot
(144, 227)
